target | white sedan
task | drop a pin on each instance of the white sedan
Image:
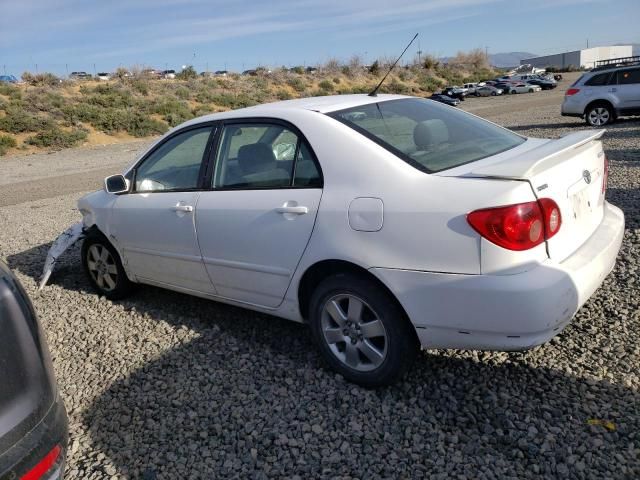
(386, 223)
(522, 88)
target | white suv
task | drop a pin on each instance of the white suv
(603, 94)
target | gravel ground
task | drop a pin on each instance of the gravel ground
(168, 386)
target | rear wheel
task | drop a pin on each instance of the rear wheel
(361, 331)
(493, 94)
(599, 115)
(102, 265)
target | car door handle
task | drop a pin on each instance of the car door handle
(182, 208)
(299, 210)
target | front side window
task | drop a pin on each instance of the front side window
(429, 136)
(262, 155)
(175, 165)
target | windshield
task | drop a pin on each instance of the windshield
(429, 136)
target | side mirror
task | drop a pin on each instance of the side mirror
(116, 184)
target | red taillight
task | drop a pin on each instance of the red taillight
(572, 91)
(605, 174)
(518, 227)
(43, 465)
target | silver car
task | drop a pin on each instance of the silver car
(605, 93)
(487, 90)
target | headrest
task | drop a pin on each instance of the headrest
(429, 133)
(255, 157)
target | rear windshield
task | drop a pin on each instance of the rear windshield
(429, 136)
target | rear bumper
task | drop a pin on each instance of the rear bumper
(35, 445)
(506, 312)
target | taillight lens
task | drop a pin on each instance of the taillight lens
(572, 91)
(44, 465)
(605, 174)
(518, 227)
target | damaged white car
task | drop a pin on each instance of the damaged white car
(385, 222)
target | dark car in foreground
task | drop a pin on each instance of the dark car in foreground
(33, 420)
(438, 97)
(544, 84)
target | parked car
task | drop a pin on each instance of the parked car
(79, 76)
(520, 87)
(33, 420)
(8, 79)
(604, 94)
(168, 74)
(386, 223)
(221, 73)
(455, 92)
(104, 76)
(438, 97)
(543, 84)
(487, 91)
(250, 72)
(470, 88)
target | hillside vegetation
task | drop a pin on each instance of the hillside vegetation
(46, 113)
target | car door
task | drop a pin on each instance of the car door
(254, 224)
(628, 90)
(154, 223)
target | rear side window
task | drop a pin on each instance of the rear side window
(264, 155)
(627, 77)
(428, 135)
(598, 80)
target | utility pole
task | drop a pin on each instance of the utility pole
(587, 43)
(94, 70)
(4, 67)
(66, 67)
(486, 53)
(419, 54)
(36, 68)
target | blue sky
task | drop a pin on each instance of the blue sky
(61, 35)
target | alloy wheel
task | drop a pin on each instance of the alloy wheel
(599, 116)
(354, 332)
(102, 267)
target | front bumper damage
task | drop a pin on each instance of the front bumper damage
(66, 239)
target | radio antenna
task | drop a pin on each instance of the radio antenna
(374, 92)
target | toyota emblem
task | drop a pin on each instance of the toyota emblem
(587, 176)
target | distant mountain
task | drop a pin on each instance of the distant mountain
(510, 59)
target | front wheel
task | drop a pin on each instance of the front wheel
(599, 115)
(493, 94)
(361, 331)
(102, 265)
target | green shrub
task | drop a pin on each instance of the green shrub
(54, 137)
(283, 94)
(187, 73)
(431, 84)
(141, 86)
(17, 120)
(9, 90)
(298, 69)
(336, 80)
(42, 100)
(41, 79)
(326, 86)
(140, 125)
(397, 87)
(229, 100)
(182, 93)
(6, 142)
(346, 70)
(297, 84)
(374, 69)
(110, 96)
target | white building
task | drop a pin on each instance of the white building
(580, 58)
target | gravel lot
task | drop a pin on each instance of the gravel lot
(168, 386)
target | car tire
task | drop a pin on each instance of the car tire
(599, 115)
(531, 90)
(361, 331)
(104, 269)
(493, 94)
(512, 92)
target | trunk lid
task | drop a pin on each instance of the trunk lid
(568, 170)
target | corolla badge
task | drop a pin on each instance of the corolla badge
(587, 176)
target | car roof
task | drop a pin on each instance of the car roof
(324, 104)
